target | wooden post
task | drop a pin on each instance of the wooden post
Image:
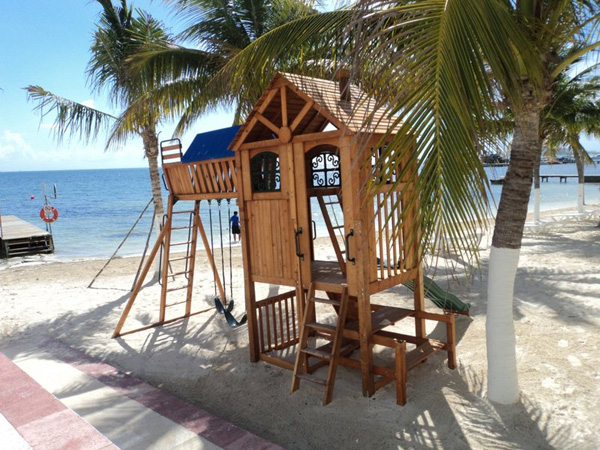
(243, 187)
(140, 282)
(192, 260)
(165, 265)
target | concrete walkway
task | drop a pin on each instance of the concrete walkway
(58, 398)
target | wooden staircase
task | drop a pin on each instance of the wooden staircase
(328, 353)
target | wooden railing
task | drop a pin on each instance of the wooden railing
(277, 322)
(202, 180)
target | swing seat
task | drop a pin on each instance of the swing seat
(220, 308)
(231, 321)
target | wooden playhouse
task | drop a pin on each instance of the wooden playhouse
(303, 150)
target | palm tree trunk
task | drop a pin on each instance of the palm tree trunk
(536, 188)
(151, 150)
(503, 384)
(580, 179)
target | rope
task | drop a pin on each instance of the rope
(230, 259)
(222, 253)
(212, 245)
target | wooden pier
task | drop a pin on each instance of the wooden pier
(20, 238)
(561, 178)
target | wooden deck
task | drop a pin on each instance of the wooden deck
(19, 238)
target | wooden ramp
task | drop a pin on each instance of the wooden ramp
(19, 238)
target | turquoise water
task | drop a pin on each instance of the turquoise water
(98, 207)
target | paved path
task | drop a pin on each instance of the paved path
(59, 398)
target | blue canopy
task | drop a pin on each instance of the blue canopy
(211, 145)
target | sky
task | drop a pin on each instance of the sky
(46, 43)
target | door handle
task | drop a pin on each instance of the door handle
(297, 240)
(352, 260)
(314, 224)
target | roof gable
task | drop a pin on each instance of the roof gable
(294, 105)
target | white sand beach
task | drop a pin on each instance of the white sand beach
(202, 360)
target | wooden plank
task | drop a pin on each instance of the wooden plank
(284, 107)
(249, 291)
(210, 257)
(15, 228)
(301, 115)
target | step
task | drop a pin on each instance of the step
(317, 353)
(312, 378)
(422, 352)
(326, 301)
(322, 327)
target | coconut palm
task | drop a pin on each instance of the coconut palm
(218, 31)
(118, 36)
(574, 110)
(443, 67)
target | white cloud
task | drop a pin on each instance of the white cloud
(12, 143)
(89, 103)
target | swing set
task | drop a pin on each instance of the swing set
(304, 144)
(177, 265)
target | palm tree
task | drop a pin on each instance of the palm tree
(184, 77)
(118, 36)
(442, 67)
(574, 110)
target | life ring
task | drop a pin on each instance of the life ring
(49, 213)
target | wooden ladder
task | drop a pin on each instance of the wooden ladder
(332, 229)
(329, 352)
(188, 260)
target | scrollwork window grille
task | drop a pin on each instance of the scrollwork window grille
(325, 170)
(264, 172)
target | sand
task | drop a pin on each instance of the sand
(200, 359)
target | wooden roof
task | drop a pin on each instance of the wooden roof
(312, 104)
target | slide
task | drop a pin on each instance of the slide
(440, 297)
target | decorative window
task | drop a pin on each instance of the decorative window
(325, 170)
(264, 172)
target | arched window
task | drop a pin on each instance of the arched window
(325, 170)
(264, 172)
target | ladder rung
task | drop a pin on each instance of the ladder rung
(183, 212)
(174, 304)
(179, 273)
(177, 289)
(180, 243)
(317, 353)
(179, 259)
(326, 301)
(324, 328)
(337, 227)
(312, 379)
(182, 228)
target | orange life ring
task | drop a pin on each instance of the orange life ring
(49, 213)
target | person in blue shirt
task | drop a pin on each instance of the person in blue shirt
(235, 226)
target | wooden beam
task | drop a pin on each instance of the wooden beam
(270, 125)
(211, 261)
(301, 115)
(140, 282)
(284, 112)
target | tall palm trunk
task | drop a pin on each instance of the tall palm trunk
(536, 187)
(504, 257)
(151, 150)
(580, 179)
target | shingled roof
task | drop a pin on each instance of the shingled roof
(359, 114)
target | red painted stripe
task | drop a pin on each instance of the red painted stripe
(39, 417)
(214, 429)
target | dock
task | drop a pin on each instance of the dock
(20, 238)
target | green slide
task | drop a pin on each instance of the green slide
(440, 297)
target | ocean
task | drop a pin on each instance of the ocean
(97, 208)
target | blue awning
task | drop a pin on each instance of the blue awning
(211, 145)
